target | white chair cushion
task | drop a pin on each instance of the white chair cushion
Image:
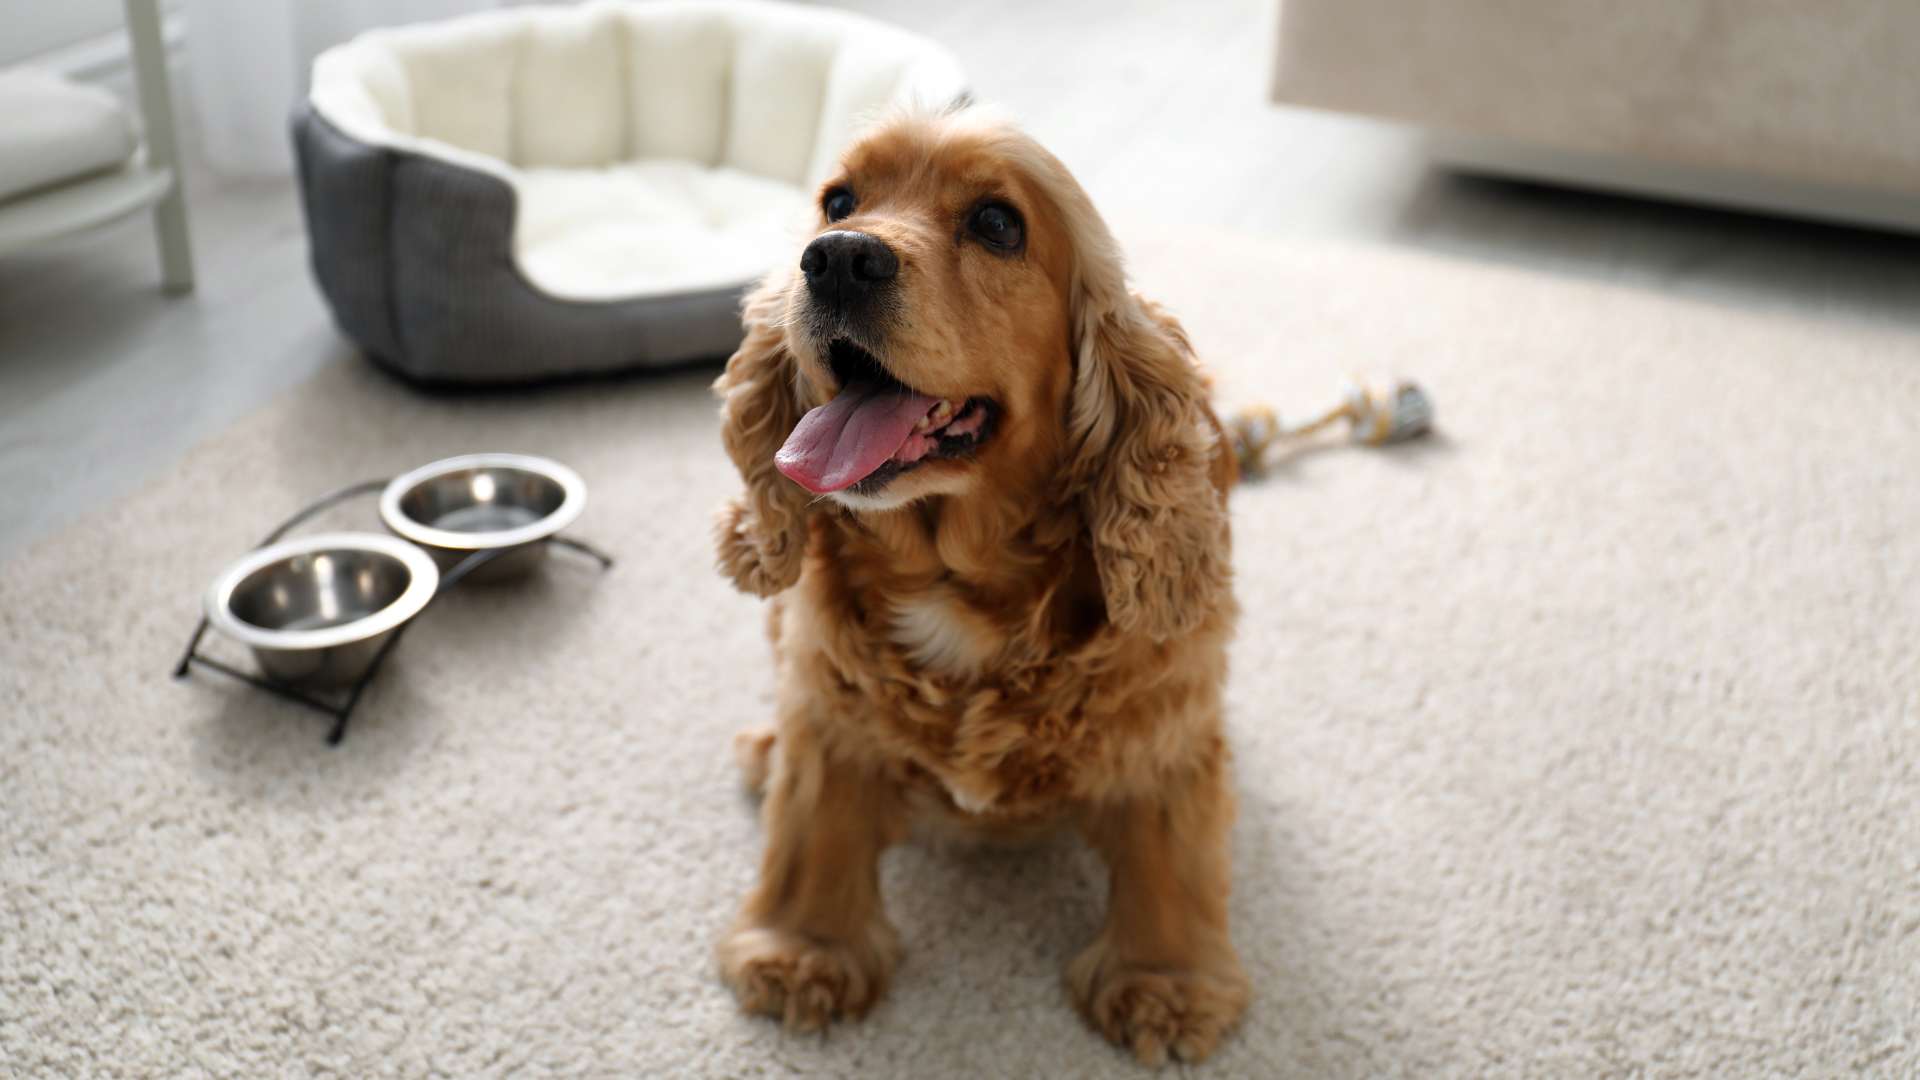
(654, 147)
(53, 130)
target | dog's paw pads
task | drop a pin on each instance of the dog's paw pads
(804, 983)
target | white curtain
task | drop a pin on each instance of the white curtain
(248, 60)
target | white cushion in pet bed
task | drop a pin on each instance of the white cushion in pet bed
(649, 227)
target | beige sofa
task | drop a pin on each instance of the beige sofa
(1781, 105)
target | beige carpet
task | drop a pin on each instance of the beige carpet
(1577, 742)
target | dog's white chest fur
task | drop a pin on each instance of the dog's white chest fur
(942, 634)
(946, 637)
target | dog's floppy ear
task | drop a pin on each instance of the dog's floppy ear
(1142, 460)
(762, 533)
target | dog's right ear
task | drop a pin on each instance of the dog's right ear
(761, 533)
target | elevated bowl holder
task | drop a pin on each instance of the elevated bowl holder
(342, 710)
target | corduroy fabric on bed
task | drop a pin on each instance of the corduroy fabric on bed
(416, 257)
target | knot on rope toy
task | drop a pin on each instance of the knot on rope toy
(1378, 412)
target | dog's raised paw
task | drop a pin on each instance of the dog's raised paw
(804, 982)
(1157, 1012)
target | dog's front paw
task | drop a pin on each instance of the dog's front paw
(1153, 1010)
(805, 982)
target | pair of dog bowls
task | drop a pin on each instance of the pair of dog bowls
(319, 609)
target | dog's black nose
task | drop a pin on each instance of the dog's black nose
(844, 267)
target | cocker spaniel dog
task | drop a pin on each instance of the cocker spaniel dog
(987, 494)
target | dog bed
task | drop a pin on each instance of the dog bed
(541, 192)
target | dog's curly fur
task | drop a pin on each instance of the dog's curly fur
(1030, 633)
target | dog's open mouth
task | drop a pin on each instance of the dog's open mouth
(877, 428)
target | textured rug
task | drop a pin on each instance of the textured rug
(1576, 741)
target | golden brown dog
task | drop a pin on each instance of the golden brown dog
(988, 496)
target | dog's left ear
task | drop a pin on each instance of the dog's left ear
(762, 534)
(1143, 445)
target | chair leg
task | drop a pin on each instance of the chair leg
(176, 250)
(156, 105)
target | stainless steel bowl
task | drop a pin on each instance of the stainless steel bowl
(318, 609)
(478, 502)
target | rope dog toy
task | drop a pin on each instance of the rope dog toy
(1380, 413)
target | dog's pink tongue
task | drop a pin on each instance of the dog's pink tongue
(840, 443)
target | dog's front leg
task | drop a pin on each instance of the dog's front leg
(1163, 974)
(812, 941)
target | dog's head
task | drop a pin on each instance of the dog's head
(959, 326)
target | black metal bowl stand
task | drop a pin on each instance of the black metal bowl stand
(343, 709)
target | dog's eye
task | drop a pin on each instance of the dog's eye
(998, 224)
(838, 204)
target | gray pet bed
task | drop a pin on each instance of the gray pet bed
(542, 192)
(415, 256)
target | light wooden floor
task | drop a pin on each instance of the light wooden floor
(1159, 108)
